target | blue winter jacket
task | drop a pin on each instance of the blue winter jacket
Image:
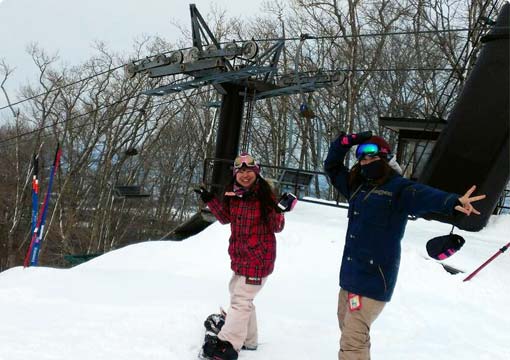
(377, 220)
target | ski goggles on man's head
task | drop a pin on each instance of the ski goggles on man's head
(370, 150)
(246, 160)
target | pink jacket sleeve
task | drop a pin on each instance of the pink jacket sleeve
(219, 211)
(276, 222)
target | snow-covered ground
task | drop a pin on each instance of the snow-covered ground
(148, 301)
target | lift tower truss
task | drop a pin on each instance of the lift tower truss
(237, 70)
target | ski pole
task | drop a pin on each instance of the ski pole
(501, 251)
(32, 256)
(35, 192)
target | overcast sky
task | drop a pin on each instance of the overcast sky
(70, 27)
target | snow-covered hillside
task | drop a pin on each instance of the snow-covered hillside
(148, 301)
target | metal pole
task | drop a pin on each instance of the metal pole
(227, 138)
(501, 251)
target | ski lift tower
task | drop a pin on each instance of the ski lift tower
(236, 70)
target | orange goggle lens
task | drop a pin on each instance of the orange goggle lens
(246, 160)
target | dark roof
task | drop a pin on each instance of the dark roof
(400, 123)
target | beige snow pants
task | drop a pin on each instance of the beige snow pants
(240, 326)
(355, 326)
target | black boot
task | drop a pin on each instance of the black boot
(209, 346)
(224, 351)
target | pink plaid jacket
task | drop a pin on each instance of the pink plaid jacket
(252, 244)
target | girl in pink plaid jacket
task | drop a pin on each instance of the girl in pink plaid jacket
(249, 206)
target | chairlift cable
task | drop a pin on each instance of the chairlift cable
(297, 60)
(244, 138)
(60, 87)
(86, 79)
(4, 141)
(249, 101)
(376, 34)
(332, 37)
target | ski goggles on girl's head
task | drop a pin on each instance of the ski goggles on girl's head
(244, 159)
(370, 150)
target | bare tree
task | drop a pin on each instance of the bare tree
(382, 57)
(15, 181)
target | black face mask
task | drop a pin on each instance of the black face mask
(373, 171)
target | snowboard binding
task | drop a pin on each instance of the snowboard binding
(214, 323)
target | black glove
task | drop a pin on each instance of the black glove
(205, 195)
(354, 139)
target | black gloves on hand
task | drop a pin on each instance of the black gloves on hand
(205, 195)
(349, 140)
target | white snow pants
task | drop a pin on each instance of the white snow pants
(240, 326)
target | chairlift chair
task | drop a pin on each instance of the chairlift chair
(296, 179)
(129, 191)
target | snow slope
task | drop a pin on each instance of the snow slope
(148, 301)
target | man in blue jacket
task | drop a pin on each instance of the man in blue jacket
(380, 201)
